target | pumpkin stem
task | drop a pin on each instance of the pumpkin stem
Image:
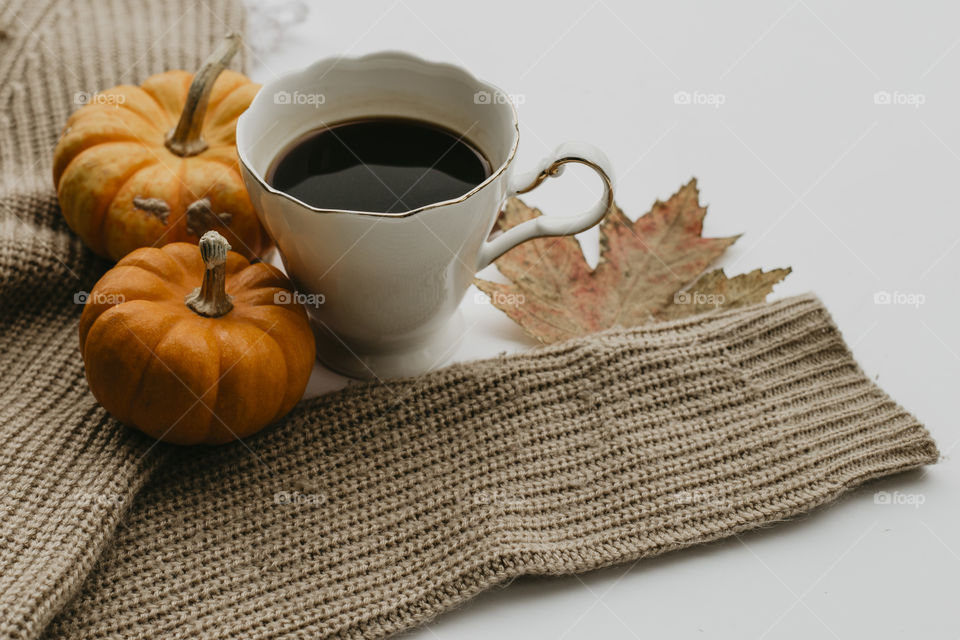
(210, 299)
(184, 139)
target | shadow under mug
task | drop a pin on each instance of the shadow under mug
(382, 289)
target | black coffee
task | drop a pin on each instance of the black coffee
(384, 165)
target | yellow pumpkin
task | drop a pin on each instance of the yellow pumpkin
(148, 165)
(188, 364)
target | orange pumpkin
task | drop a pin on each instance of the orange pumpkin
(188, 364)
(145, 166)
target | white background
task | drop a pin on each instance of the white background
(857, 197)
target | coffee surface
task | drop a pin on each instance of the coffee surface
(383, 165)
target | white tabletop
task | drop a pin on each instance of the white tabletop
(793, 146)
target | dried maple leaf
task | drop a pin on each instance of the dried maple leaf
(714, 290)
(554, 295)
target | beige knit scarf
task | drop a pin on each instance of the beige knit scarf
(373, 509)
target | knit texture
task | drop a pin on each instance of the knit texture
(60, 454)
(370, 510)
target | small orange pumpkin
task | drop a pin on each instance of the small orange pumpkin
(145, 166)
(195, 365)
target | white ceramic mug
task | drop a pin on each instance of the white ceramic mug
(381, 288)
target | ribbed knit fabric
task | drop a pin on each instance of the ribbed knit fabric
(370, 510)
(59, 452)
(376, 508)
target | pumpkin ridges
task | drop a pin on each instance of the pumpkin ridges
(250, 307)
(246, 350)
(110, 128)
(146, 258)
(124, 227)
(236, 264)
(122, 278)
(86, 206)
(176, 397)
(187, 258)
(224, 116)
(222, 154)
(116, 374)
(122, 284)
(131, 98)
(169, 90)
(298, 361)
(229, 106)
(132, 120)
(291, 394)
(256, 278)
(108, 112)
(226, 83)
(93, 113)
(87, 141)
(112, 151)
(144, 105)
(223, 187)
(178, 204)
(102, 227)
(203, 169)
(264, 296)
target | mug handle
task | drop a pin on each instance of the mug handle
(543, 226)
